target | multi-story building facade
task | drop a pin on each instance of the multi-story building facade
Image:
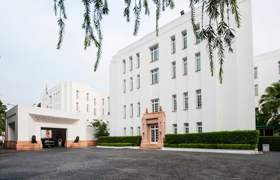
(172, 71)
(266, 72)
(77, 98)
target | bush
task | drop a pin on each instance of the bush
(132, 140)
(212, 146)
(224, 139)
(273, 141)
(116, 144)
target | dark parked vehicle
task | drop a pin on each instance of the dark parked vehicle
(47, 143)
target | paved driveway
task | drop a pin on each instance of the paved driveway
(109, 164)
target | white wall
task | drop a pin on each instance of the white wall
(268, 72)
(227, 106)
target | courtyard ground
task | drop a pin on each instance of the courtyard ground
(109, 164)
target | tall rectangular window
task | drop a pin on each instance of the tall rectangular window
(131, 63)
(94, 101)
(77, 94)
(138, 131)
(124, 86)
(197, 34)
(255, 72)
(198, 99)
(186, 100)
(131, 131)
(173, 44)
(278, 67)
(138, 81)
(131, 110)
(185, 66)
(174, 102)
(256, 90)
(138, 60)
(94, 111)
(175, 130)
(87, 96)
(155, 105)
(87, 107)
(124, 131)
(138, 109)
(154, 53)
(173, 70)
(155, 76)
(124, 111)
(185, 39)
(186, 128)
(131, 83)
(77, 107)
(124, 66)
(197, 62)
(109, 108)
(199, 127)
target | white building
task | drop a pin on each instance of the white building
(266, 72)
(65, 113)
(172, 71)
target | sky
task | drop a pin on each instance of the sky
(29, 60)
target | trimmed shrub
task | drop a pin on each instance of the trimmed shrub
(273, 141)
(213, 146)
(132, 140)
(116, 144)
(216, 139)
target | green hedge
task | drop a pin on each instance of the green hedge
(212, 146)
(119, 140)
(238, 139)
(273, 141)
(116, 144)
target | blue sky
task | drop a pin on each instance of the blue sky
(28, 35)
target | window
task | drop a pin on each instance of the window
(175, 131)
(87, 96)
(185, 66)
(94, 101)
(77, 106)
(124, 111)
(174, 103)
(94, 111)
(103, 111)
(87, 108)
(197, 62)
(77, 94)
(138, 60)
(124, 66)
(103, 102)
(138, 81)
(108, 100)
(185, 39)
(131, 131)
(155, 76)
(138, 109)
(278, 67)
(124, 131)
(186, 128)
(154, 53)
(155, 105)
(124, 86)
(256, 90)
(138, 131)
(173, 70)
(173, 44)
(199, 127)
(131, 110)
(131, 83)
(186, 100)
(255, 72)
(198, 99)
(131, 63)
(197, 35)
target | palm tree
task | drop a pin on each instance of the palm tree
(270, 103)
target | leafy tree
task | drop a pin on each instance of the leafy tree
(101, 128)
(270, 104)
(217, 32)
(3, 109)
